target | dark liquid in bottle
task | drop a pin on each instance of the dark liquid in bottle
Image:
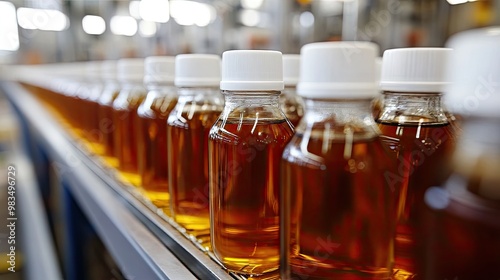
(337, 215)
(423, 152)
(188, 154)
(244, 191)
(463, 232)
(152, 148)
(125, 141)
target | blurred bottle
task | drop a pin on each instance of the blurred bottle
(90, 106)
(198, 107)
(463, 218)
(415, 127)
(132, 93)
(245, 147)
(152, 128)
(336, 220)
(70, 107)
(291, 103)
(106, 126)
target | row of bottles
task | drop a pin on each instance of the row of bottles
(298, 164)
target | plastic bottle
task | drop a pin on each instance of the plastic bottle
(291, 103)
(416, 128)
(106, 126)
(463, 217)
(198, 107)
(336, 215)
(245, 148)
(151, 123)
(133, 92)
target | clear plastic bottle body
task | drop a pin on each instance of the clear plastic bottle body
(188, 126)
(336, 217)
(292, 105)
(151, 140)
(416, 128)
(245, 147)
(105, 121)
(124, 136)
(462, 219)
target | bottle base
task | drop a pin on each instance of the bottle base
(132, 178)
(251, 267)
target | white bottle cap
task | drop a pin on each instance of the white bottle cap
(251, 70)
(131, 70)
(291, 69)
(414, 70)
(108, 69)
(197, 70)
(474, 73)
(338, 70)
(159, 70)
(93, 70)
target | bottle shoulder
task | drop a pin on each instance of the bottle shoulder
(321, 151)
(129, 99)
(252, 131)
(156, 106)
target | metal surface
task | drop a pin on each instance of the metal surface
(144, 243)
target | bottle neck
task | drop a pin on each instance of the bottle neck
(412, 108)
(340, 117)
(251, 98)
(162, 89)
(253, 105)
(207, 98)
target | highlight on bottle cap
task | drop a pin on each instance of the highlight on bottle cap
(419, 70)
(291, 69)
(334, 70)
(197, 70)
(474, 73)
(252, 70)
(131, 70)
(159, 70)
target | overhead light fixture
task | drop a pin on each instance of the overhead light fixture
(123, 25)
(306, 19)
(456, 2)
(42, 19)
(249, 17)
(192, 13)
(147, 29)
(134, 9)
(94, 25)
(251, 4)
(9, 37)
(154, 10)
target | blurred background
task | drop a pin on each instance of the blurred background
(48, 31)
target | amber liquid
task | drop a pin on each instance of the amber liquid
(244, 192)
(107, 127)
(125, 140)
(336, 216)
(152, 147)
(423, 152)
(188, 169)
